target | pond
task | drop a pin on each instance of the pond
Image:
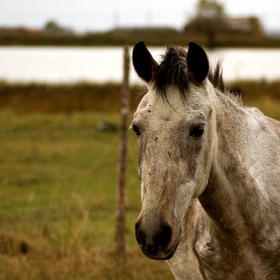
(103, 64)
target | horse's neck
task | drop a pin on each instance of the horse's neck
(245, 172)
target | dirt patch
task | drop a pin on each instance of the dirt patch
(14, 246)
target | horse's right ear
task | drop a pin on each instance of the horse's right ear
(143, 62)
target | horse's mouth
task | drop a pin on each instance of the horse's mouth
(166, 255)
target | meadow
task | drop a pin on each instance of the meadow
(58, 181)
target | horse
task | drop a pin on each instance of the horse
(209, 168)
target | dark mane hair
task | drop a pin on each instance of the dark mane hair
(216, 77)
(173, 71)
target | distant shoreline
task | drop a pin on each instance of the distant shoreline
(121, 39)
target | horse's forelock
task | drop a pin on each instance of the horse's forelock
(172, 71)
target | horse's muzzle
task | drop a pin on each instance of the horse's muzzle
(156, 242)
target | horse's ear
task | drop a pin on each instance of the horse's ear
(143, 62)
(197, 62)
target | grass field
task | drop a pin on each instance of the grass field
(57, 211)
(58, 192)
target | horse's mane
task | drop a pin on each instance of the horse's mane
(216, 78)
(173, 71)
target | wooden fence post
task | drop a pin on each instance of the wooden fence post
(125, 108)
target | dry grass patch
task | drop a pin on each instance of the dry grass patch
(101, 264)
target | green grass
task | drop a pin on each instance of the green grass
(58, 194)
(57, 172)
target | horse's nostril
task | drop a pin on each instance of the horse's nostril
(164, 235)
(153, 241)
(139, 233)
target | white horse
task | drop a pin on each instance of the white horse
(209, 169)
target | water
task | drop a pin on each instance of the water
(96, 64)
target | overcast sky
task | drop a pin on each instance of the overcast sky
(83, 15)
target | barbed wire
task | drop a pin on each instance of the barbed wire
(47, 128)
(40, 213)
(101, 126)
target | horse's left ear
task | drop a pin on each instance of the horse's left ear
(197, 62)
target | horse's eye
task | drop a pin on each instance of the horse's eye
(136, 130)
(197, 131)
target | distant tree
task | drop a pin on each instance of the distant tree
(209, 20)
(209, 9)
(51, 25)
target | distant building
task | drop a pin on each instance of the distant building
(145, 30)
(246, 25)
(18, 31)
(237, 25)
(54, 31)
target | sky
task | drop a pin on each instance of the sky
(102, 15)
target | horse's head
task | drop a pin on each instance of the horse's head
(175, 125)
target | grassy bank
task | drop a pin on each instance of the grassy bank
(87, 97)
(61, 98)
(261, 94)
(58, 181)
